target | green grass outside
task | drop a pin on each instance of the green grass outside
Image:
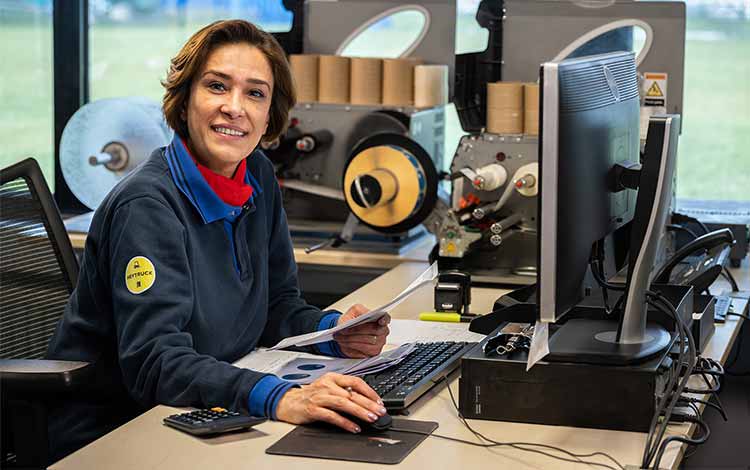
(713, 160)
(26, 104)
(130, 60)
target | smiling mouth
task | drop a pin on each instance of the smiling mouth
(228, 131)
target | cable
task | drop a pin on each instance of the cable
(702, 225)
(711, 388)
(662, 401)
(685, 337)
(597, 269)
(661, 405)
(697, 420)
(710, 364)
(733, 314)
(517, 444)
(729, 277)
(678, 217)
(523, 446)
(675, 227)
(718, 408)
(598, 274)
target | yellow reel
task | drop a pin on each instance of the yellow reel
(390, 183)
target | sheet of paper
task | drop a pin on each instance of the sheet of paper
(270, 362)
(382, 361)
(407, 331)
(427, 277)
(303, 368)
(307, 370)
(539, 344)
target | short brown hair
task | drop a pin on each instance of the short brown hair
(187, 63)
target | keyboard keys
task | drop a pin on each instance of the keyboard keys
(417, 373)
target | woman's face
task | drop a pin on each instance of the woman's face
(227, 112)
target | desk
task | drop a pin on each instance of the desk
(332, 256)
(324, 275)
(144, 443)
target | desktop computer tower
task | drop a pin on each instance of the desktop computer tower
(561, 393)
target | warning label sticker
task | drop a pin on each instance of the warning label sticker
(654, 89)
(139, 275)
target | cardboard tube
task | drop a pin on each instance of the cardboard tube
(531, 109)
(398, 81)
(504, 121)
(305, 74)
(505, 107)
(430, 85)
(505, 95)
(333, 79)
(366, 80)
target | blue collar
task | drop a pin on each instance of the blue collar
(191, 183)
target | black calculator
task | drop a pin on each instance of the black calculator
(211, 421)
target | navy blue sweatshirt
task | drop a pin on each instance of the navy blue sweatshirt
(175, 285)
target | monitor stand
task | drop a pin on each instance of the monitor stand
(593, 341)
(632, 339)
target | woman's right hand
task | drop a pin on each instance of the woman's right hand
(331, 393)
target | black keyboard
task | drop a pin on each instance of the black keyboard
(400, 385)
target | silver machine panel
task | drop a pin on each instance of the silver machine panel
(351, 123)
(328, 24)
(509, 258)
(529, 40)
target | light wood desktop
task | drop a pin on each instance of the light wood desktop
(145, 443)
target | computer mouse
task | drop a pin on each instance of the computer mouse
(383, 423)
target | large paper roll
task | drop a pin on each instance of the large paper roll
(398, 81)
(505, 107)
(106, 139)
(366, 80)
(333, 79)
(305, 74)
(531, 109)
(430, 85)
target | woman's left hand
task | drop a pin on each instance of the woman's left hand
(363, 340)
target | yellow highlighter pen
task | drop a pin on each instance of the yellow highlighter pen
(445, 317)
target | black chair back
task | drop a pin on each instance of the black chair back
(38, 268)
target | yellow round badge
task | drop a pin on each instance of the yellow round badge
(139, 275)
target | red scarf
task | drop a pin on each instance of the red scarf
(233, 191)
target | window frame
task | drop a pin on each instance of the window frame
(70, 78)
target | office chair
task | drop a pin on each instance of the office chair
(38, 271)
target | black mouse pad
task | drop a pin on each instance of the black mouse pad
(324, 441)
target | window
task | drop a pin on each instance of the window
(389, 35)
(26, 114)
(713, 160)
(132, 41)
(470, 37)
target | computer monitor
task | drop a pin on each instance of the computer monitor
(589, 143)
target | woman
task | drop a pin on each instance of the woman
(189, 264)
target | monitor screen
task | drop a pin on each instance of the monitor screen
(589, 121)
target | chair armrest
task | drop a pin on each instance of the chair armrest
(43, 374)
